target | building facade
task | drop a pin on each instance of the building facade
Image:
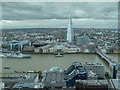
(73, 73)
(97, 68)
(82, 40)
(70, 36)
(91, 85)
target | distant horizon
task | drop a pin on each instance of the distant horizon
(55, 28)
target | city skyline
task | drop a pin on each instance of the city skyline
(55, 15)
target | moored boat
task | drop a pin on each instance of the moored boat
(2, 56)
(59, 55)
(17, 55)
(6, 67)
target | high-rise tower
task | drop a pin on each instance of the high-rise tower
(70, 30)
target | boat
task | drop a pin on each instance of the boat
(2, 56)
(59, 55)
(17, 55)
(6, 67)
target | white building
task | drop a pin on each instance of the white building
(2, 85)
(91, 75)
(64, 49)
(58, 48)
(73, 50)
(70, 30)
(97, 68)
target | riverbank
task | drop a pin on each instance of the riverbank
(63, 53)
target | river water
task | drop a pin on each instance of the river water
(46, 61)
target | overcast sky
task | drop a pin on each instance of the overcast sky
(48, 14)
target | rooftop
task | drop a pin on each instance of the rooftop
(94, 82)
(94, 63)
(54, 77)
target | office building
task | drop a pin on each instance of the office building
(82, 40)
(97, 68)
(91, 85)
(70, 36)
(91, 75)
(73, 73)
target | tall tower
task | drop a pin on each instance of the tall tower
(70, 30)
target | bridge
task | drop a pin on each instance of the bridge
(112, 64)
(105, 57)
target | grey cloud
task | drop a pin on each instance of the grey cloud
(49, 10)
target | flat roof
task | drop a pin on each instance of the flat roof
(54, 76)
(54, 79)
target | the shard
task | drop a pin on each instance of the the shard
(70, 30)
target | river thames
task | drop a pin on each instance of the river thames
(46, 61)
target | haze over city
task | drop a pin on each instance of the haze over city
(55, 15)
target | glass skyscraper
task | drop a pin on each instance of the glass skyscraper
(70, 30)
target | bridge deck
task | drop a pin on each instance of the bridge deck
(104, 56)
